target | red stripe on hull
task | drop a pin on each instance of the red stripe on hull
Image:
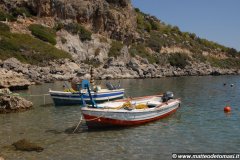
(95, 122)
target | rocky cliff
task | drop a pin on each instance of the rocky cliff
(115, 18)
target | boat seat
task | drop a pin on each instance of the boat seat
(152, 104)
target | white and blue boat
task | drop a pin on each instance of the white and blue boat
(61, 98)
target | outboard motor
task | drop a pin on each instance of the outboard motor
(167, 96)
(109, 86)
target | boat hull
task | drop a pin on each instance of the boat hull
(99, 119)
(68, 98)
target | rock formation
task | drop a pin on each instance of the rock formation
(13, 80)
(114, 18)
(12, 103)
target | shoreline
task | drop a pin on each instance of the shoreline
(17, 76)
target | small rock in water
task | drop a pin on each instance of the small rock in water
(1, 158)
(25, 145)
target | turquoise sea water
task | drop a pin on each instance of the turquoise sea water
(200, 125)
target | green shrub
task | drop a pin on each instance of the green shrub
(178, 60)
(115, 49)
(233, 52)
(155, 42)
(4, 27)
(147, 26)
(44, 33)
(140, 21)
(75, 28)
(137, 10)
(92, 62)
(199, 57)
(72, 28)
(154, 25)
(4, 16)
(141, 51)
(85, 35)
(28, 49)
(142, 24)
(58, 26)
(21, 11)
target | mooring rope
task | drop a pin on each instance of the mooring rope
(88, 120)
(94, 118)
(30, 95)
(78, 124)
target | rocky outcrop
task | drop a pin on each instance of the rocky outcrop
(12, 103)
(25, 145)
(13, 80)
(17, 74)
(111, 68)
(96, 49)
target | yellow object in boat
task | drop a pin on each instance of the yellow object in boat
(141, 106)
(127, 105)
(69, 90)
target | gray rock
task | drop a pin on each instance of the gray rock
(11, 63)
(133, 64)
(45, 70)
(5, 91)
(13, 80)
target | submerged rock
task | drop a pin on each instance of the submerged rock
(1, 158)
(12, 103)
(25, 145)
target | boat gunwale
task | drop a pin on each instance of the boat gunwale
(52, 92)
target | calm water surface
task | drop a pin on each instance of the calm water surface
(200, 125)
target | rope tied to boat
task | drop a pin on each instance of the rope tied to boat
(78, 124)
(87, 120)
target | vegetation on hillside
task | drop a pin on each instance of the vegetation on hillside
(141, 51)
(115, 49)
(27, 48)
(6, 16)
(225, 63)
(157, 35)
(76, 28)
(178, 60)
(14, 13)
(44, 33)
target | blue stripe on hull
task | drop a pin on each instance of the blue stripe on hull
(87, 96)
(66, 102)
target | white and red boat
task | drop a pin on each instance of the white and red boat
(130, 112)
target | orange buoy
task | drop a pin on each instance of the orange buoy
(227, 109)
